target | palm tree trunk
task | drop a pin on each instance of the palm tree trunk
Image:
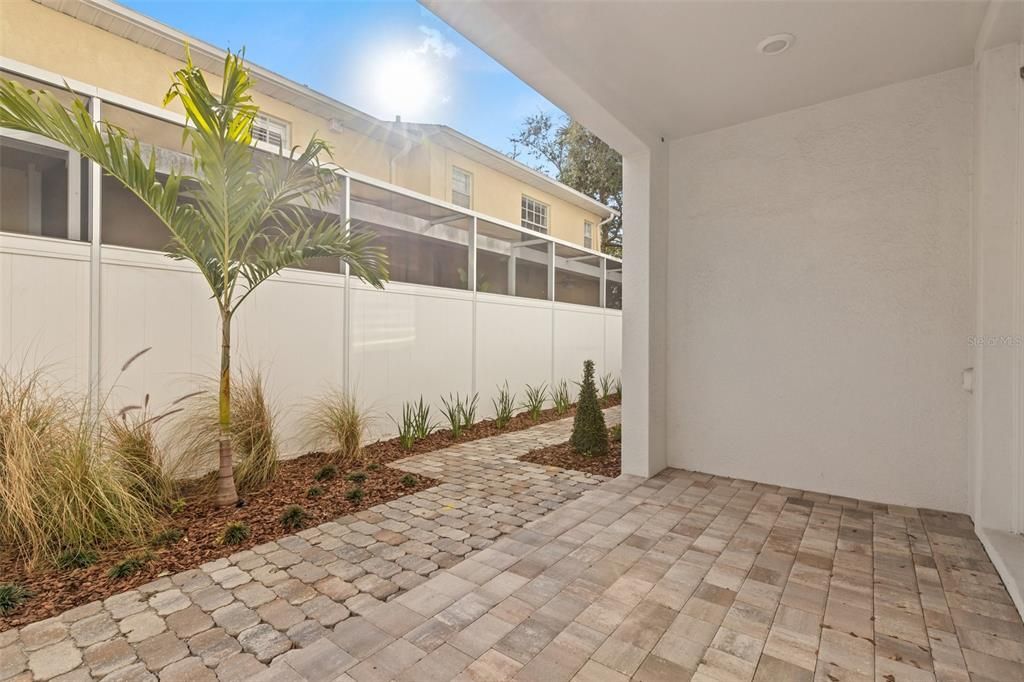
(226, 493)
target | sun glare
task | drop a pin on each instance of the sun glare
(403, 84)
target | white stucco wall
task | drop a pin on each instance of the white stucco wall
(819, 296)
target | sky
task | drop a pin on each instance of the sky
(384, 57)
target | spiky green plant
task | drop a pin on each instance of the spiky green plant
(416, 423)
(235, 533)
(130, 565)
(615, 434)
(293, 517)
(607, 385)
(589, 433)
(354, 494)
(618, 388)
(326, 473)
(504, 406)
(337, 425)
(167, 537)
(76, 558)
(314, 491)
(246, 217)
(560, 397)
(12, 596)
(409, 480)
(357, 477)
(535, 398)
(459, 411)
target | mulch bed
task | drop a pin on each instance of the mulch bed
(562, 455)
(202, 523)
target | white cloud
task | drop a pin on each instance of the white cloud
(436, 44)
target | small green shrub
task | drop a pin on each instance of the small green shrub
(589, 433)
(293, 517)
(615, 433)
(235, 533)
(167, 537)
(373, 467)
(409, 480)
(607, 385)
(326, 473)
(504, 406)
(459, 412)
(337, 424)
(561, 398)
(354, 495)
(11, 597)
(536, 396)
(618, 388)
(177, 506)
(415, 425)
(314, 491)
(357, 477)
(128, 566)
(76, 558)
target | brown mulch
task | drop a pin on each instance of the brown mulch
(55, 591)
(563, 456)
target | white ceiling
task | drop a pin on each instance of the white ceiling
(671, 69)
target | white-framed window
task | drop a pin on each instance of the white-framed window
(588, 234)
(270, 130)
(462, 187)
(534, 215)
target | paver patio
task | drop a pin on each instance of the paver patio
(681, 576)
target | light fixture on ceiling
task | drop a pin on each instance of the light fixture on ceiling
(776, 44)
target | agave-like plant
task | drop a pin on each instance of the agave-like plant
(245, 218)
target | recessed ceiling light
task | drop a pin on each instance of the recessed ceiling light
(776, 44)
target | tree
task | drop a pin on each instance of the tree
(589, 433)
(580, 160)
(243, 218)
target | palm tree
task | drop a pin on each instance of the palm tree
(242, 220)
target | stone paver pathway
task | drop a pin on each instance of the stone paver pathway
(229, 618)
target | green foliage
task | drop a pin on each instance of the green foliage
(459, 412)
(293, 517)
(247, 216)
(62, 485)
(607, 385)
(130, 565)
(167, 537)
(337, 424)
(314, 491)
(354, 494)
(536, 396)
(326, 473)
(589, 433)
(415, 425)
(504, 406)
(561, 398)
(76, 558)
(11, 597)
(177, 506)
(357, 477)
(615, 433)
(409, 480)
(235, 533)
(581, 160)
(373, 467)
(618, 388)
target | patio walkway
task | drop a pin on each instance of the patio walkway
(682, 576)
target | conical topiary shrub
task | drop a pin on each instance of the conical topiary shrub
(589, 433)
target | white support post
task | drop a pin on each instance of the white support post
(34, 190)
(551, 271)
(603, 294)
(473, 288)
(346, 313)
(512, 271)
(95, 188)
(74, 196)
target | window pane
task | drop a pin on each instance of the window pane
(511, 262)
(577, 276)
(34, 189)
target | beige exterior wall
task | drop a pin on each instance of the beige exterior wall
(50, 40)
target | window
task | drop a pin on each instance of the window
(588, 234)
(270, 130)
(535, 215)
(462, 187)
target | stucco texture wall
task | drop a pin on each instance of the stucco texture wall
(819, 297)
